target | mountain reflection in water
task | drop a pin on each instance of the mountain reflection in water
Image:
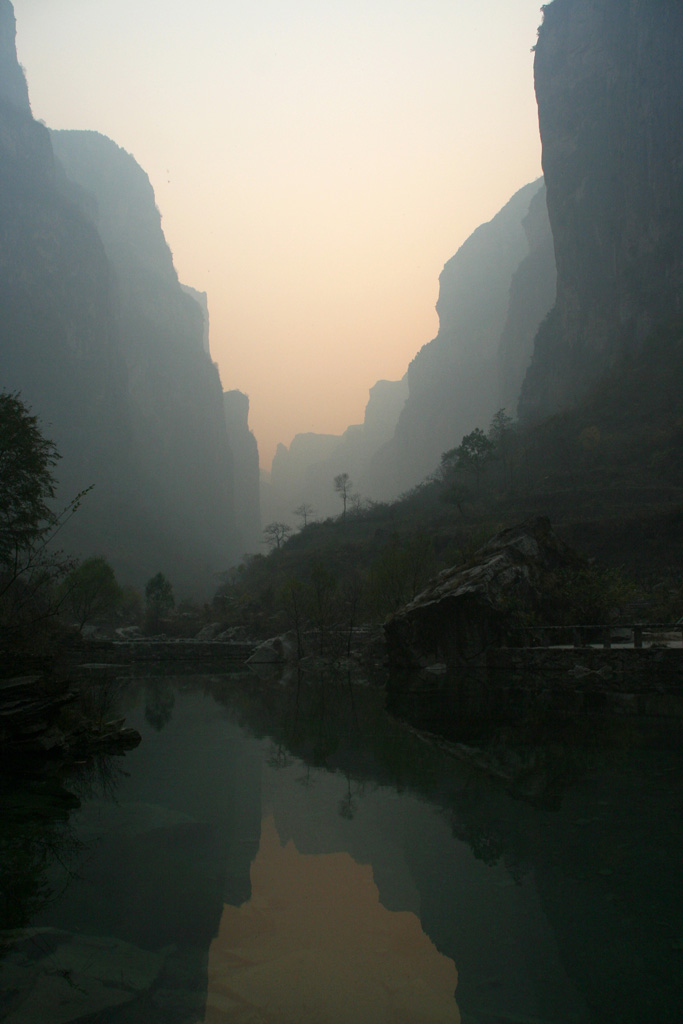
(286, 851)
(314, 944)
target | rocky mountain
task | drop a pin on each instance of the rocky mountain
(246, 473)
(107, 349)
(532, 290)
(304, 472)
(609, 81)
(493, 295)
(490, 305)
(58, 333)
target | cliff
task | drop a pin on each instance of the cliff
(179, 445)
(107, 350)
(304, 472)
(493, 294)
(58, 332)
(246, 474)
(13, 87)
(609, 81)
(490, 304)
(532, 293)
(202, 300)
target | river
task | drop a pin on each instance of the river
(286, 852)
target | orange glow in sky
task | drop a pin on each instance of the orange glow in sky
(315, 163)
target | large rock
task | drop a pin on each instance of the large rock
(466, 609)
(608, 80)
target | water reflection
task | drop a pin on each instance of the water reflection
(314, 944)
(540, 858)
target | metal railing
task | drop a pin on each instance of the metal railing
(636, 634)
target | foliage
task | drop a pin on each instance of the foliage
(305, 512)
(27, 483)
(159, 596)
(473, 454)
(130, 604)
(591, 595)
(400, 572)
(342, 485)
(91, 591)
(503, 435)
(29, 571)
(276, 534)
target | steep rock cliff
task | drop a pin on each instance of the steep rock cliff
(304, 472)
(107, 350)
(532, 293)
(609, 81)
(485, 316)
(493, 295)
(246, 474)
(58, 333)
(179, 442)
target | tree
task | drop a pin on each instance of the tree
(27, 483)
(400, 572)
(304, 511)
(28, 570)
(323, 604)
(502, 434)
(474, 452)
(342, 485)
(91, 590)
(159, 596)
(276, 534)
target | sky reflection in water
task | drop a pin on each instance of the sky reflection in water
(277, 853)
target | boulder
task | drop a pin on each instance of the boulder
(275, 651)
(467, 608)
(210, 631)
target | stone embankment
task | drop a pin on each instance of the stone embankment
(126, 652)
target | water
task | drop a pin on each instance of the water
(286, 853)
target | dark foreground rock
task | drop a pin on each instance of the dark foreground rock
(467, 609)
(39, 717)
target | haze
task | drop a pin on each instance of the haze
(315, 166)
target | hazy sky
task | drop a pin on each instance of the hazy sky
(316, 162)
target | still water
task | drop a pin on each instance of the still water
(287, 853)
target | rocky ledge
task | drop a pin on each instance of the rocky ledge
(466, 609)
(39, 717)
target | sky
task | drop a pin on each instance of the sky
(316, 162)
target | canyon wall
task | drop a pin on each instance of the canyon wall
(609, 81)
(108, 350)
(304, 473)
(246, 473)
(493, 294)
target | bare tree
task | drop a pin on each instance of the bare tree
(342, 485)
(276, 534)
(304, 511)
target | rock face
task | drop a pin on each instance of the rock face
(305, 471)
(175, 398)
(532, 292)
(609, 81)
(108, 350)
(486, 328)
(493, 295)
(464, 610)
(246, 476)
(13, 88)
(58, 331)
(202, 300)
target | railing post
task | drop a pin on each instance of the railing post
(607, 639)
(637, 636)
